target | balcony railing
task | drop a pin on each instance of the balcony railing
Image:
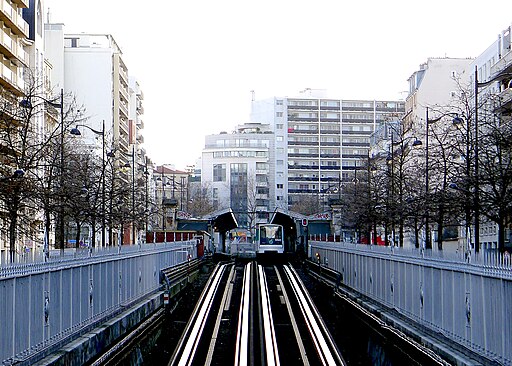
(13, 19)
(506, 97)
(502, 65)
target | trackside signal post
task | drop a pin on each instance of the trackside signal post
(305, 224)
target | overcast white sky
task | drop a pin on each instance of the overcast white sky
(197, 61)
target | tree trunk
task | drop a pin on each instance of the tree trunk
(416, 233)
(440, 227)
(501, 233)
(77, 237)
(93, 235)
(47, 225)
(401, 228)
(12, 235)
(386, 241)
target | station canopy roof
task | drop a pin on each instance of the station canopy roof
(221, 221)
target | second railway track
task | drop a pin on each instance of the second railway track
(255, 315)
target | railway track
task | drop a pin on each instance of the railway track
(255, 315)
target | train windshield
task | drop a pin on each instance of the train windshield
(271, 234)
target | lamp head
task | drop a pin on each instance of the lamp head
(416, 143)
(18, 173)
(457, 120)
(75, 131)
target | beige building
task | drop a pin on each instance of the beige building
(13, 43)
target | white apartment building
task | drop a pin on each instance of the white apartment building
(136, 113)
(434, 86)
(91, 67)
(493, 70)
(240, 168)
(321, 142)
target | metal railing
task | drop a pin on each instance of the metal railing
(46, 304)
(467, 301)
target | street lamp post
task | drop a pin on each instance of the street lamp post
(428, 121)
(127, 165)
(477, 171)
(477, 162)
(59, 233)
(133, 194)
(76, 131)
(163, 198)
(458, 121)
(428, 243)
(146, 206)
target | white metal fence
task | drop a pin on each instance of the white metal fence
(467, 300)
(44, 303)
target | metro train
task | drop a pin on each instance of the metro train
(269, 239)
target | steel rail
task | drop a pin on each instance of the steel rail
(293, 320)
(242, 336)
(225, 299)
(326, 349)
(185, 351)
(271, 351)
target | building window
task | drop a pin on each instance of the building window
(261, 166)
(279, 102)
(279, 114)
(238, 192)
(280, 186)
(279, 126)
(219, 172)
(279, 198)
(279, 138)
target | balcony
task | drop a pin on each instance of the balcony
(366, 133)
(305, 107)
(330, 143)
(298, 190)
(302, 119)
(9, 79)
(13, 20)
(330, 155)
(502, 66)
(303, 143)
(330, 107)
(21, 3)
(330, 132)
(303, 179)
(13, 50)
(302, 155)
(506, 99)
(300, 166)
(303, 132)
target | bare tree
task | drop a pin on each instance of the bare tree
(307, 204)
(27, 142)
(200, 203)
